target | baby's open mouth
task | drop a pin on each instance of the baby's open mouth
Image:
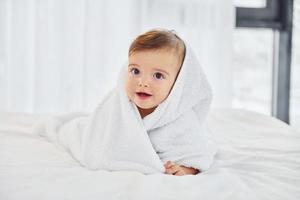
(143, 94)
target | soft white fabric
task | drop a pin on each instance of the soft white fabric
(258, 158)
(115, 137)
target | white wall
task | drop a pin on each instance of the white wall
(64, 55)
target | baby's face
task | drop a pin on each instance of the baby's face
(151, 75)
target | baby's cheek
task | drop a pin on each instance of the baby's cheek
(128, 84)
(162, 96)
(129, 93)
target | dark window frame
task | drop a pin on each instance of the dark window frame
(278, 16)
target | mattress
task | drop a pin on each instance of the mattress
(258, 158)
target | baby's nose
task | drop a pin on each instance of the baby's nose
(143, 82)
(143, 85)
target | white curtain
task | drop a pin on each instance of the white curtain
(64, 55)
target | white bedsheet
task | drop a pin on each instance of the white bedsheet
(259, 158)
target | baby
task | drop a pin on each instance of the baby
(155, 59)
(153, 121)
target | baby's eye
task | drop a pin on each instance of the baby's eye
(158, 75)
(135, 71)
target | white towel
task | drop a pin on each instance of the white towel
(115, 137)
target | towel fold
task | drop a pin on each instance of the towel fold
(115, 137)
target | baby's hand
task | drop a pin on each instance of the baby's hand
(178, 170)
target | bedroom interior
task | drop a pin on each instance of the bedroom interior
(59, 58)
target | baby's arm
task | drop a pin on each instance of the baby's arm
(179, 170)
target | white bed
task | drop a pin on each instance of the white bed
(258, 158)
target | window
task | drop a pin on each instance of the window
(277, 16)
(252, 69)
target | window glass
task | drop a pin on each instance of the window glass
(252, 69)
